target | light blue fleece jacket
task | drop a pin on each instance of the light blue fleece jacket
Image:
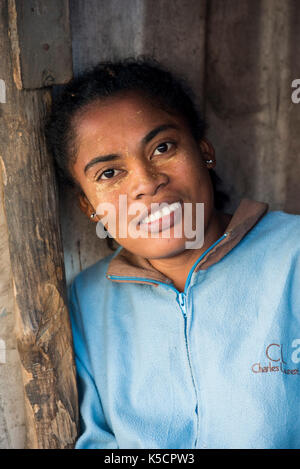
(217, 366)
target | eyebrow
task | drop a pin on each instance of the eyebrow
(155, 131)
(144, 141)
(100, 159)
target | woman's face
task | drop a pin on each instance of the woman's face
(129, 147)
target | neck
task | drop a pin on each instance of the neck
(178, 267)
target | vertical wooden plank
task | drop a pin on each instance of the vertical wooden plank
(105, 30)
(31, 206)
(252, 59)
(12, 419)
(292, 166)
(174, 33)
(41, 42)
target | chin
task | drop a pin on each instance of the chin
(163, 248)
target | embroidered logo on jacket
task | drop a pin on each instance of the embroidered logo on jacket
(279, 358)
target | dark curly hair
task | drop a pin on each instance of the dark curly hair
(107, 79)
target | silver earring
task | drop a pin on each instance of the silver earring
(93, 215)
(209, 161)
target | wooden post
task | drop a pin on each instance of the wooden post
(31, 206)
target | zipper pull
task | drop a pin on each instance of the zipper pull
(181, 297)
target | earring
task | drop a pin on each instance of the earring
(93, 215)
(209, 161)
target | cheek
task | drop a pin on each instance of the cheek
(106, 197)
(186, 167)
(108, 192)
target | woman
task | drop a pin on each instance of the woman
(177, 345)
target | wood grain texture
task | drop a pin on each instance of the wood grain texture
(12, 419)
(41, 42)
(31, 206)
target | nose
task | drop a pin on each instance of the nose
(146, 180)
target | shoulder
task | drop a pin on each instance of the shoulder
(280, 218)
(89, 282)
(93, 274)
(87, 303)
(280, 227)
(276, 237)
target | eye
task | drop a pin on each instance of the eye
(163, 148)
(108, 174)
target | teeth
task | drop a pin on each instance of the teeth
(166, 211)
(161, 213)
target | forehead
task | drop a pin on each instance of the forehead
(121, 117)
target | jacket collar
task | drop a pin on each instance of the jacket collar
(137, 269)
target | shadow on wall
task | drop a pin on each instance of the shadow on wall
(292, 202)
(251, 62)
(82, 247)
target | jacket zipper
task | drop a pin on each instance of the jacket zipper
(181, 300)
(181, 297)
(182, 304)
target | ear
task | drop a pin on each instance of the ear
(85, 206)
(208, 153)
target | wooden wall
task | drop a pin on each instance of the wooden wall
(251, 61)
(39, 324)
(12, 419)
